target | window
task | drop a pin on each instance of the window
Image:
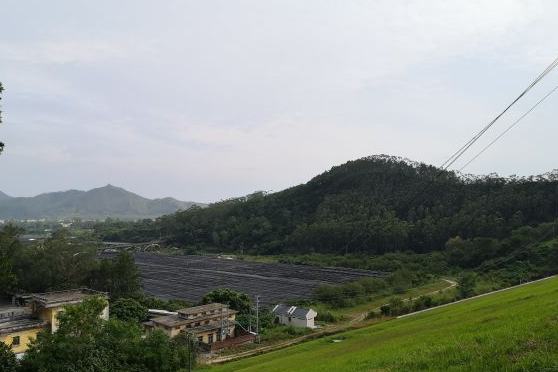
(290, 319)
(219, 336)
(200, 339)
(15, 341)
(210, 339)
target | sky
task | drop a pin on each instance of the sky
(207, 100)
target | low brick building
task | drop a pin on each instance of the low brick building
(213, 325)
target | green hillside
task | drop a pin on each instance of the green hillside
(99, 203)
(514, 330)
(372, 205)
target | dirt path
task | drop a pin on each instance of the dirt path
(359, 318)
(474, 297)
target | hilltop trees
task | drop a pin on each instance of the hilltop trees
(373, 205)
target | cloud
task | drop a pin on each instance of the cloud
(83, 51)
(215, 99)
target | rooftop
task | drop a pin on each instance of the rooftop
(194, 314)
(296, 312)
(11, 311)
(203, 328)
(177, 320)
(20, 323)
(203, 308)
(171, 320)
(72, 296)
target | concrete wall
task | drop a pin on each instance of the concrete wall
(49, 315)
(24, 338)
(296, 322)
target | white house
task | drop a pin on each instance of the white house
(295, 316)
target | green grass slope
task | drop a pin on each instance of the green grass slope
(515, 330)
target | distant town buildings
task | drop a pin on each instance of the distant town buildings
(20, 324)
(295, 316)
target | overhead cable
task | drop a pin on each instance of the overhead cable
(452, 159)
(508, 128)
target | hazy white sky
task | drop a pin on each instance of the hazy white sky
(204, 100)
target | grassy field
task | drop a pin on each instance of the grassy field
(515, 330)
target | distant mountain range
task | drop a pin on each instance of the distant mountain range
(99, 203)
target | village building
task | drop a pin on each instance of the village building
(212, 325)
(295, 316)
(21, 324)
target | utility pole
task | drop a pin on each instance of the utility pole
(250, 320)
(227, 318)
(189, 353)
(257, 319)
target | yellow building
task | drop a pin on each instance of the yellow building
(45, 306)
(19, 325)
(208, 324)
(18, 330)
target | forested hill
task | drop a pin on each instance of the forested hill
(376, 204)
(99, 203)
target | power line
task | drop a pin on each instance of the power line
(452, 159)
(459, 153)
(509, 128)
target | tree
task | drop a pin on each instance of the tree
(8, 361)
(119, 276)
(75, 346)
(159, 353)
(59, 262)
(236, 300)
(128, 310)
(466, 285)
(85, 342)
(10, 245)
(125, 276)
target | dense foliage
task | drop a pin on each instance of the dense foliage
(373, 205)
(236, 300)
(128, 310)
(62, 262)
(8, 361)
(85, 342)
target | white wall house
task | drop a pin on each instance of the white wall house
(295, 316)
